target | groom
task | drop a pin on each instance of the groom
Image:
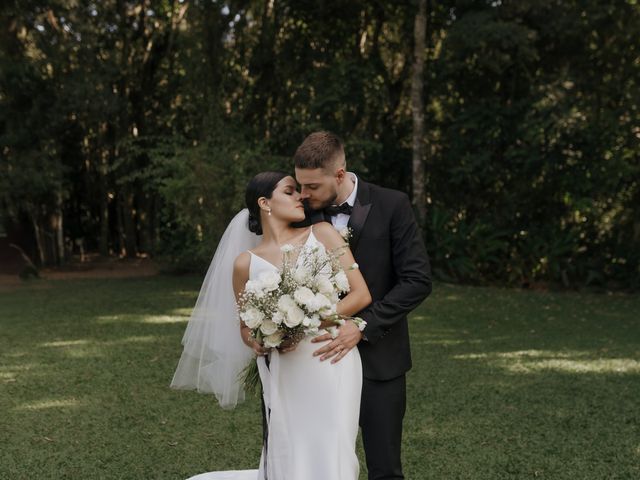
(387, 244)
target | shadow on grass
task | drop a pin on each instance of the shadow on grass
(505, 385)
(511, 384)
(85, 368)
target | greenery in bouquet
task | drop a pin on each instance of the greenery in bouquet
(288, 304)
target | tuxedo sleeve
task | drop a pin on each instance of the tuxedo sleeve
(412, 272)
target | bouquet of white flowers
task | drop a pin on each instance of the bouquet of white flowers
(290, 303)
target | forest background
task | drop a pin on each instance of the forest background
(130, 128)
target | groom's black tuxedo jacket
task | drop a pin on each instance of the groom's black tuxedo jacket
(388, 247)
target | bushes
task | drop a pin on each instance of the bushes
(534, 178)
(139, 138)
(201, 188)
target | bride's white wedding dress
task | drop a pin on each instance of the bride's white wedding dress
(313, 410)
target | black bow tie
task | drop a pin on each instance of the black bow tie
(334, 210)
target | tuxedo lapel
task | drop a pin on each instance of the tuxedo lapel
(359, 214)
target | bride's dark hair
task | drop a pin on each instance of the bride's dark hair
(262, 185)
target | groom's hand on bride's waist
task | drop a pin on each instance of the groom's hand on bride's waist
(348, 337)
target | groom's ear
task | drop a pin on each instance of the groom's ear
(340, 174)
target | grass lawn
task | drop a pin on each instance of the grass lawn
(506, 384)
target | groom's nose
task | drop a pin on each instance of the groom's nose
(304, 194)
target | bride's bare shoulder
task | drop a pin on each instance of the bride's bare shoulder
(240, 272)
(242, 262)
(322, 228)
(327, 235)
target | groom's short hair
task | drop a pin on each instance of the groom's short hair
(319, 150)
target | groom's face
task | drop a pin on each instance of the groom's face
(318, 187)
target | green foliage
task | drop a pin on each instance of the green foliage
(531, 150)
(199, 187)
(142, 123)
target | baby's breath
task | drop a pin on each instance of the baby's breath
(288, 306)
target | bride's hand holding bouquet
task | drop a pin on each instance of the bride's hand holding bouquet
(282, 307)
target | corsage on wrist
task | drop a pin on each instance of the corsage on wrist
(360, 323)
(338, 320)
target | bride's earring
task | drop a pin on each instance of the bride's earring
(269, 212)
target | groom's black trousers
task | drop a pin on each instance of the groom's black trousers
(382, 410)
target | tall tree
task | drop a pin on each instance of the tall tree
(417, 111)
(131, 125)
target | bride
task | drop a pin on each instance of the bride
(312, 406)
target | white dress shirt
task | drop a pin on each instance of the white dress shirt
(340, 221)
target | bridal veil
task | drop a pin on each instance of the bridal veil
(214, 354)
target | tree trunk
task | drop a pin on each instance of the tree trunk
(104, 224)
(261, 68)
(37, 233)
(123, 126)
(129, 222)
(155, 224)
(104, 204)
(144, 229)
(59, 242)
(417, 109)
(119, 205)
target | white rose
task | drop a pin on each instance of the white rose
(321, 302)
(273, 340)
(294, 317)
(312, 321)
(270, 280)
(252, 317)
(354, 266)
(254, 287)
(328, 312)
(304, 296)
(268, 327)
(341, 280)
(345, 233)
(323, 284)
(250, 286)
(285, 302)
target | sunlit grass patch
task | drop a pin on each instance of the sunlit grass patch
(506, 384)
(117, 319)
(7, 377)
(609, 365)
(65, 343)
(44, 404)
(164, 319)
(531, 361)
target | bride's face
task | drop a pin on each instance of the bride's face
(285, 201)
